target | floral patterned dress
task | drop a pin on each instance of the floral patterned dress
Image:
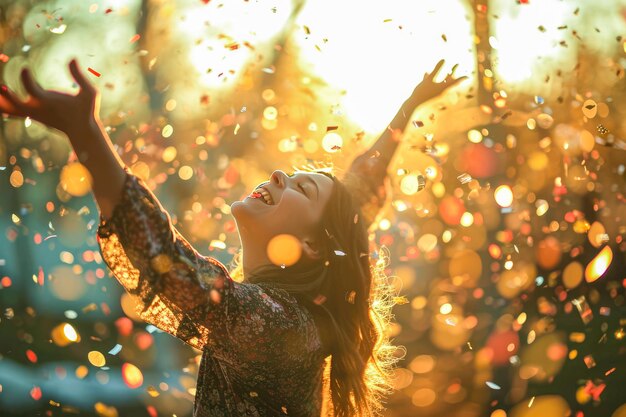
(261, 351)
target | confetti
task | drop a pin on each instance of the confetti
(96, 358)
(583, 309)
(492, 385)
(116, 349)
(93, 71)
(589, 361)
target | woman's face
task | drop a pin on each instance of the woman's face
(286, 204)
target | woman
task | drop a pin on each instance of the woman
(265, 340)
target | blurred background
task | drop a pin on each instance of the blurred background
(511, 261)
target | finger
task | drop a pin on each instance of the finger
(32, 87)
(454, 69)
(454, 81)
(10, 103)
(78, 75)
(435, 70)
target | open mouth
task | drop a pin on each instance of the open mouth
(263, 195)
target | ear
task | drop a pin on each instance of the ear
(311, 249)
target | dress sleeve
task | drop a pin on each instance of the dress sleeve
(178, 290)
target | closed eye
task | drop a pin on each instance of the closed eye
(302, 188)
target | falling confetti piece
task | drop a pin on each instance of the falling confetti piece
(35, 393)
(115, 350)
(589, 361)
(135, 38)
(93, 71)
(31, 356)
(583, 309)
(492, 385)
(96, 358)
(40, 277)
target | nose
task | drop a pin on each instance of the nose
(278, 178)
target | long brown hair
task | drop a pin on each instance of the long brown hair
(352, 291)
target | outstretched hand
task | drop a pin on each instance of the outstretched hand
(428, 88)
(61, 111)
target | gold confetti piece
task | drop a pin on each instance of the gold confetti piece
(104, 410)
(152, 391)
(90, 307)
(96, 358)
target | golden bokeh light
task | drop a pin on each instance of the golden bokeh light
(132, 376)
(503, 196)
(75, 179)
(572, 275)
(284, 250)
(599, 264)
(64, 334)
(332, 142)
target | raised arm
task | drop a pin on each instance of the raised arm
(177, 289)
(77, 117)
(368, 171)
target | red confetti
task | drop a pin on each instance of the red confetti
(335, 147)
(32, 356)
(5, 282)
(151, 410)
(4, 58)
(93, 71)
(35, 393)
(107, 11)
(135, 38)
(329, 128)
(40, 277)
(594, 390)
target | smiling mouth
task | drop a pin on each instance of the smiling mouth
(262, 194)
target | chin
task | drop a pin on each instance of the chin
(245, 216)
